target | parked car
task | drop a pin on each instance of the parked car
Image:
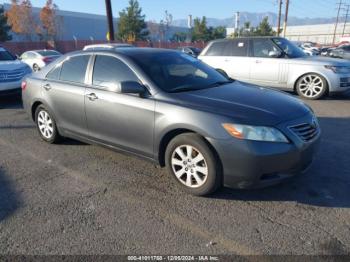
(341, 52)
(325, 51)
(310, 46)
(12, 72)
(176, 111)
(37, 59)
(190, 50)
(276, 62)
(106, 46)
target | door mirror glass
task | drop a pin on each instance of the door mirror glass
(131, 87)
(275, 54)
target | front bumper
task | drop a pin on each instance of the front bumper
(252, 164)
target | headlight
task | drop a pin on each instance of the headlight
(339, 69)
(256, 133)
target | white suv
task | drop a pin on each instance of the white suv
(276, 62)
(12, 72)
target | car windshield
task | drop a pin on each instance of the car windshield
(48, 53)
(6, 55)
(178, 72)
(291, 50)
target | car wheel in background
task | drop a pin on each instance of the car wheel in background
(312, 86)
(46, 125)
(36, 68)
(193, 164)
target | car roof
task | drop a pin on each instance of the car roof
(245, 38)
(107, 46)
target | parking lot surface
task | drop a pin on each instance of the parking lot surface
(75, 198)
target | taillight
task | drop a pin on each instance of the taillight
(46, 59)
(24, 85)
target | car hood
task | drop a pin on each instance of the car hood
(319, 60)
(245, 103)
(11, 65)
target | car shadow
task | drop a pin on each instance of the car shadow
(9, 200)
(11, 102)
(325, 184)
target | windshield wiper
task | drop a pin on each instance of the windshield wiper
(184, 88)
(220, 83)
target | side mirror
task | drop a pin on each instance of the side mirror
(131, 87)
(275, 54)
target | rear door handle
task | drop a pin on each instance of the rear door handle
(47, 87)
(92, 96)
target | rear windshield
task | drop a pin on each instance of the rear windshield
(48, 53)
(6, 55)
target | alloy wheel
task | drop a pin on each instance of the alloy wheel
(311, 86)
(189, 166)
(45, 124)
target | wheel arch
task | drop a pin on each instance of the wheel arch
(164, 142)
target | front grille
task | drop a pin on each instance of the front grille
(11, 76)
(306, 131)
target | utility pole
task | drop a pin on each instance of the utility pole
(346, 18)
(279, 17)
(110, 20)
(337, 21)
(286, 19)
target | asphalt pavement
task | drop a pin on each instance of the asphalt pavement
(75, 198)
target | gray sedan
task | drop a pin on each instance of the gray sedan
(174, 110)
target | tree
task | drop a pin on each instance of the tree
(264, 28)
(48, 20)
(20, 18)
(132, 25)
(179, 37)
(217, 32)
(4, 27)
(200, 30)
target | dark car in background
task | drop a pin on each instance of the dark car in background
(340, 52)
(190, 50)
(176, 111)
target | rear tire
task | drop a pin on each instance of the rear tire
(312, 86)
(193, 164)
(36, 68)
(46, 125)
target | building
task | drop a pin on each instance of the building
(322, 33)
(83, 26)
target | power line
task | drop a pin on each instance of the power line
(336, 23)
(346, 18)
(285, 19)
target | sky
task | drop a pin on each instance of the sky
(154, 9)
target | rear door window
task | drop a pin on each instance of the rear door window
(237, 47)
(74, 69)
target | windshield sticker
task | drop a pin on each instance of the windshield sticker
(241, 44)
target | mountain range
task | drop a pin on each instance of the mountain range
(255, 19)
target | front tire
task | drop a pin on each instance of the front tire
(36, 68)
(46, 125)
(312, 86)
(193, 164)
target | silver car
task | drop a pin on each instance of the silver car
(276, 62)
(176, 111)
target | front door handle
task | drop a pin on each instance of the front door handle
(47, 87)
(92, 96)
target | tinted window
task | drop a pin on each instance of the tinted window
(291, 50)
(109, 70)
(176, 72)
(54, 74)
(216, 49)
(48, 53)
(74, 69)
(6, 55)
(262, 47)
(236, 48)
